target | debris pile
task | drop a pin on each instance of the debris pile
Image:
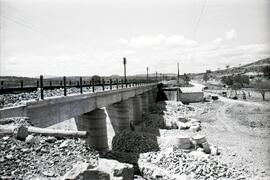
(172, 115)
(129, 141)
(40, 156)
(177, 162)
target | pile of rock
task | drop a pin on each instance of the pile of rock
(105, 170)
(154, 121)
(40, 156)
(176, 163)
(129, 141)
(172, 115)
(197, 142)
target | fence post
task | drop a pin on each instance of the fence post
(61, 83)
(70, 83)
(93, 86)
(122, 83)
(116, 83)
(37, 83)
(65, 86)
(50, 83)
(110, 84)
(103, 86)
(21, 83)
(126, 82)
(81, 86)
(41, 87)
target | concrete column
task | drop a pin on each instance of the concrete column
(145, 102)
(137, 110)
(119, 114)
(151, 99)
(154, 94)
(94, 123)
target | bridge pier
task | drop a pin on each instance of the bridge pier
(137, 110)
(94, 123)
(145, 102)
(151, 99)
(119, 114)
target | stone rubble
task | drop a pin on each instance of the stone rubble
(40, 156)
(129, 141)
(176, 162)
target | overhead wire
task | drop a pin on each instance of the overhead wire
(199, 19)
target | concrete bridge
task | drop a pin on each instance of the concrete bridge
(121, 107)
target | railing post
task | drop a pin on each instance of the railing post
(50, 83)
(81, 86)
(78, 84)
(122, 83)
(61, 83)
(21, 83)
(70, 83)
(2, 84)
(103, 85)
(93, 86)
(41, 87)
(65, 86)
(126, 83)
(110, 84)
(37, 83)
(116, 83)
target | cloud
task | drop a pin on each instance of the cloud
(162, 53)
(230, 34)
(160, 40)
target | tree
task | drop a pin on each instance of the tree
(96, 79)
(227, 80)
(206, 77)
(227, 66)
(186, 78)
(236, 86)
(262, 87)
(266, 71)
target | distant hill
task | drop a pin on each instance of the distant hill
(253, 68)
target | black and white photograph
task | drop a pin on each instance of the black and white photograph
(135, 89)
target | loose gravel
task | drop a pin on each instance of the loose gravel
(40, 156)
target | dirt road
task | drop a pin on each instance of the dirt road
(241, 130)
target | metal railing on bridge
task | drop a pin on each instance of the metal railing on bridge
(65, 84)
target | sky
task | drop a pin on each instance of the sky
(87, 37)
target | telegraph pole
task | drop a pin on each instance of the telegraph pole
(125, 73)
(147, 74)
(178, 73)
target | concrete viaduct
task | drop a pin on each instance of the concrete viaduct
(121, 106)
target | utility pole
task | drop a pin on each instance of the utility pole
(147, 73)
(125, 75)
(178, 73)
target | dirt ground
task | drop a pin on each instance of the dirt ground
(241, 129)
